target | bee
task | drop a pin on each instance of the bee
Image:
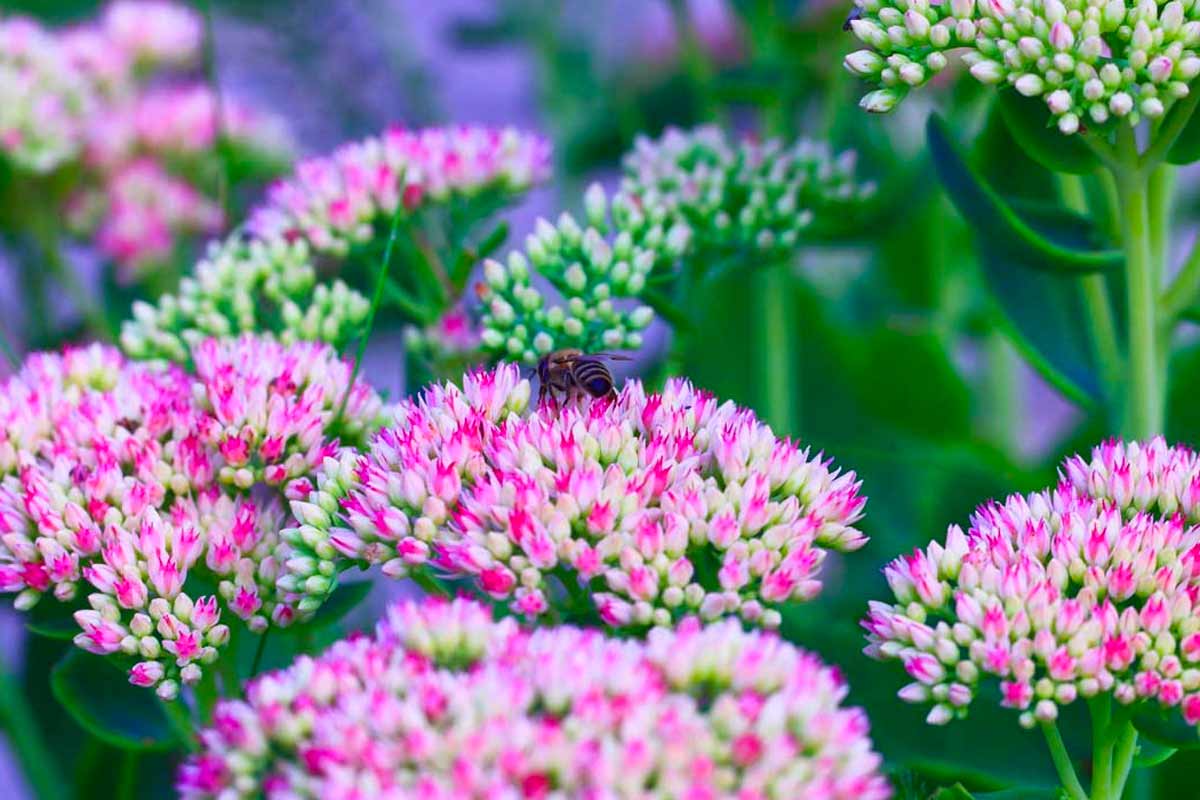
(572, 372)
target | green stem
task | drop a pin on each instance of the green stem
(1102, 327)
(1102, 746)
(127, 778)
(25, 739)
(181, 722)
(428, 584)
(376, 299)
(776, 349)
(258, 653)
(1123, 753)
(1062, 762)
(695, 64)
(1165, 137)
(1143, 413)
(1161, 186)
(214, 85)
(1002, 397)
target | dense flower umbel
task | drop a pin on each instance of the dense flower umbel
(445, 703)
(1088, 588)
(337, 201)
(642, 510)
(120, 480)
(593, 268)
(742, 198)
(1093, 62)
(244, 286)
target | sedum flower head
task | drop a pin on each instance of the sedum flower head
(741, 197)
(119, 480)
(444, 702)
(1095, 63)
(641, 510)
(597, 270)
(1085, 589)
(337, 201)
(246, 285)
(139, 214)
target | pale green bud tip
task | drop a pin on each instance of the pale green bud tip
(880, 101)
(864, 62)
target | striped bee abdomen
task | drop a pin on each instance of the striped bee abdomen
(594, 377)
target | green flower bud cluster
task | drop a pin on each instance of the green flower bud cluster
(742, 197)
(1093, 62)
(596, 268)
(246, 286)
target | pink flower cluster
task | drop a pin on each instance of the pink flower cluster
(84, 95)
(139, 213)
(642, 509)
(445, 703)
(1085, 589)
(336, 201)
(120, 480)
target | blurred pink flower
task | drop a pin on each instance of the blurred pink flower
(334, 201)
(443, 702)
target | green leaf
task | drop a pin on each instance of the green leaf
(1151, 753)
(665, 307)
(1186, 149)
(1043, 316)
(104, 703)
(1039, 242)
(1166, 727)
(52, 619)
(937, 406)
(1032, 126)
(955, 792)
(344, 599)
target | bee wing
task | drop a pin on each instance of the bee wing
(612, 356)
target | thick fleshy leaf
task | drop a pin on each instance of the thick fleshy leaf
(1186, 149)
(1151, 753)
(52, 619)
(1044, 318)
(1058, 242)
(959, 792)
(344, 599)
(102, 701)
(1043, 307)
(1166, 727)
(1032, 126)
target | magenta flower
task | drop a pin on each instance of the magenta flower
(334, 202)
(1084, 590)
(641, 510)
(119, 480)
(443, 702)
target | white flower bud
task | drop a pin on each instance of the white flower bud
(987, 72)
(1029, 85)
(864, 62)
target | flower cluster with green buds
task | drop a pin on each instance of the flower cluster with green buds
(244, 286)
(1093, 62)
(594, 268)
(741, 197)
